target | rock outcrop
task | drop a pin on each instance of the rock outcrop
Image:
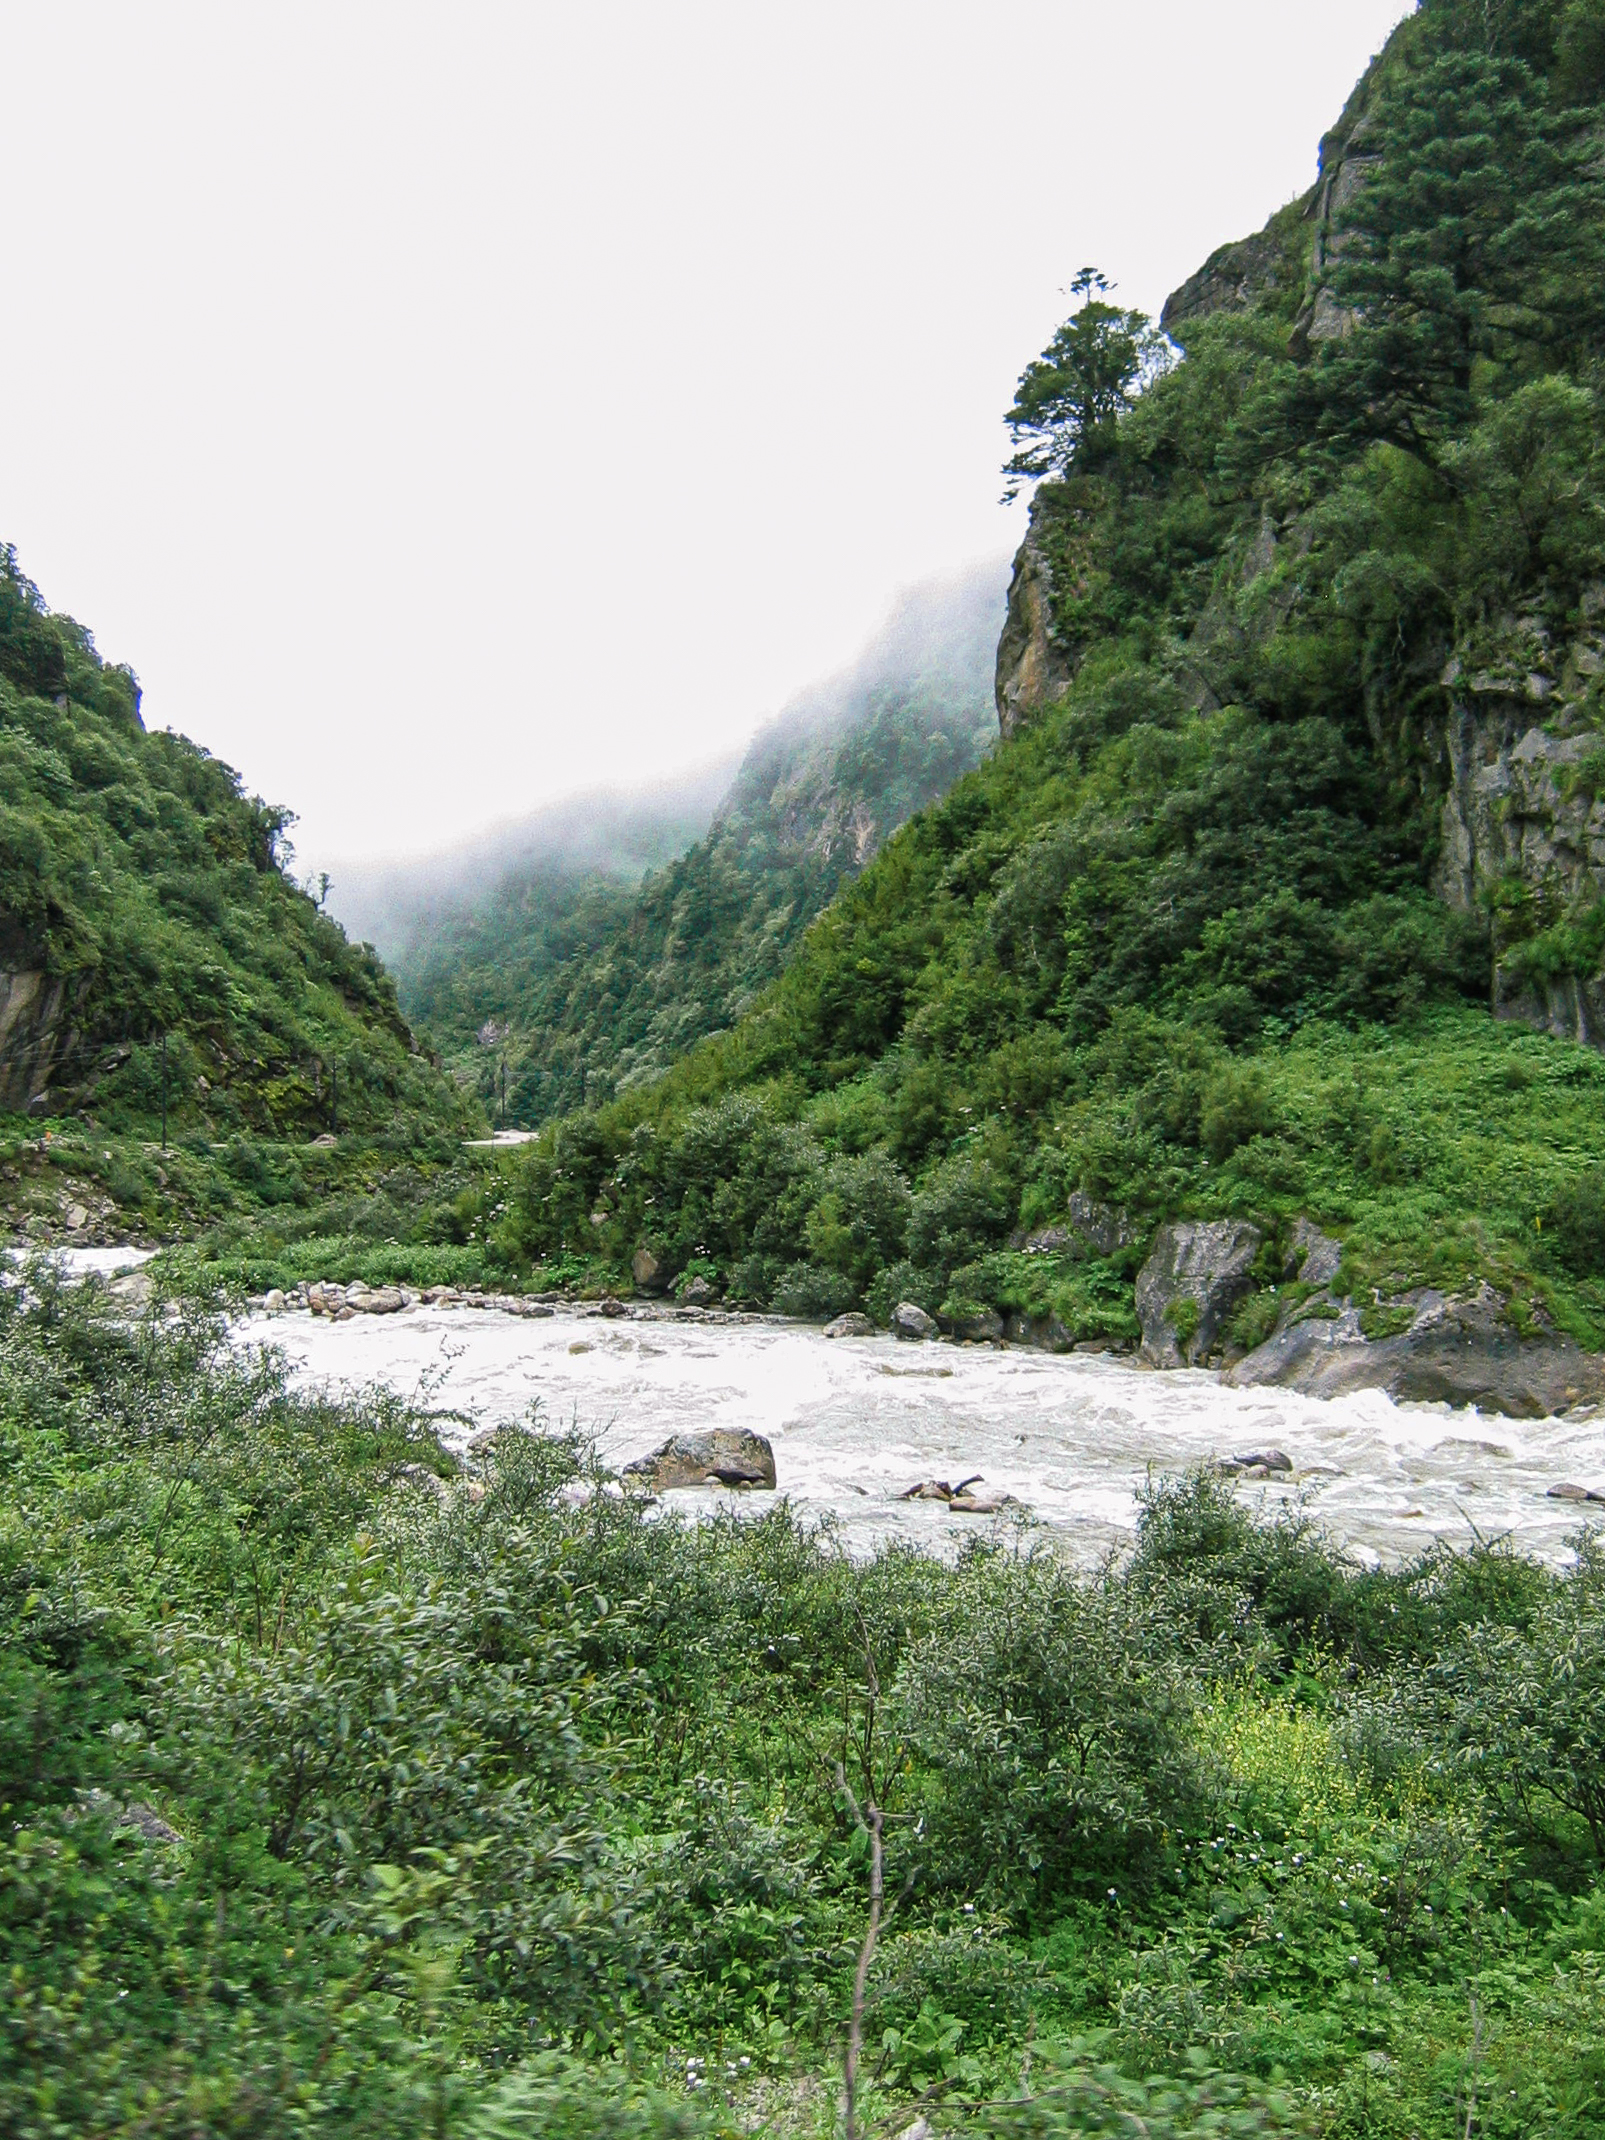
(1031, 670)
(911, 1321)
(1453, 1351)
(38, 1036)
(1524, 803)
(1196, 1273)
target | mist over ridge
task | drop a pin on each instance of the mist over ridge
(562, 976)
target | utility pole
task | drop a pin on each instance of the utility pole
(164, 1092)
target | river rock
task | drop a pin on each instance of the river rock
(723, 1456)
(273, 1300)
(375, 1300)
(697, 1293)
(911, 1321)
(939, 1489)
(1209, 1263)
(1569, 1492)
(852, 1324)
(1456, 1351)
(1258, 1464)
(646, 1270)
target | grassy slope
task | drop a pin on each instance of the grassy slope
(1176, 943)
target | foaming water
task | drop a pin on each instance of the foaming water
(86, 1262)
(855, 1422)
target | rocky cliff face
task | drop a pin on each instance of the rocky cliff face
(1031, 670)
(1517, 754)
(1524, 817)
(38, 1033)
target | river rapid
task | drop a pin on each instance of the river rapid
(855, 1422)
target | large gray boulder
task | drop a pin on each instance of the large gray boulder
(723, 1456)
(911, 1321)
(1455, 1351)
(1196, 1274)
(851, 1325)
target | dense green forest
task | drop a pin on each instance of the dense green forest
(151, 933)
(555, 989)
(1186, 943)
(350, 1789)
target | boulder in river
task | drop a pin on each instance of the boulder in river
(1455, 1351)
(1196, 1273)
(911, 1321)
(969, 1497)
(723, 1456)
(1258, 1464)
(1568, 1492)
(852, 1324)
(375, 1300)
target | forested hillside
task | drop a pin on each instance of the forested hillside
(570, 987)
(150, 932)
(1302, 688)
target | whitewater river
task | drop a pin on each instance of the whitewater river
(856, 1421)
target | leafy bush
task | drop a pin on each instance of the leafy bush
(1055, 1727)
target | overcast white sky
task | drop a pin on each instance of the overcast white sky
(445, 408)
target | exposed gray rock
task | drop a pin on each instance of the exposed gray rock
(1206, 1263)
(1090, 1229)
(723, 1456)
(38, 1035)
(1519, 726)
(646, 1270)
(1104, 1229)
(131, 1289)
(697, 1293)
(1569, 1492)
(911, 1321)
(1031, 670)
(374, 1300)
(850, 1325)
(1313, 1257)
(273, 1301)
(1455, 1352)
